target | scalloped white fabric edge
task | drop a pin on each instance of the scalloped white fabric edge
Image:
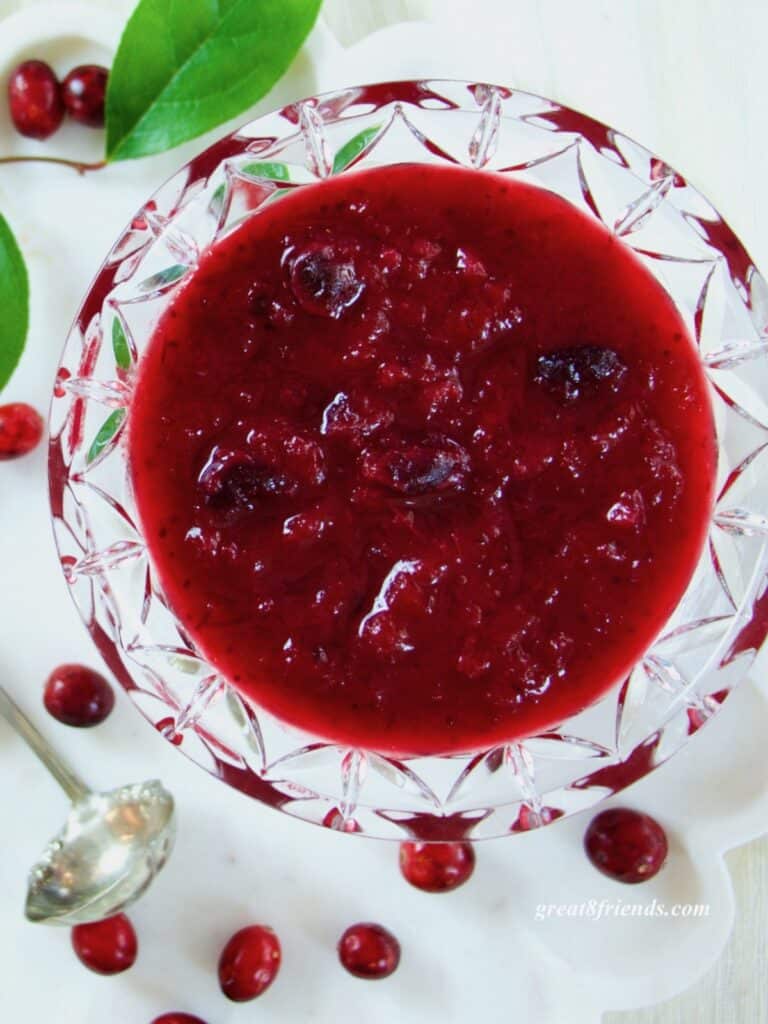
(489, 950)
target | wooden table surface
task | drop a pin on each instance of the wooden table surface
(735, 990)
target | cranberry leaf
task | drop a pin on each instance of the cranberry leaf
(14, 303)
(185, 66)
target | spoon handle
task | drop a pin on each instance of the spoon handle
(73, 786)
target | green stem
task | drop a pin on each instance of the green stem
(75, 165)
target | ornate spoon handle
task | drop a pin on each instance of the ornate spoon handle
(72, 785)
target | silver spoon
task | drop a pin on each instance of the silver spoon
(111, 846)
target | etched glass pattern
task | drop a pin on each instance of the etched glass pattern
(707, 645)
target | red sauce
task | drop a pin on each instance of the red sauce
(424, 458)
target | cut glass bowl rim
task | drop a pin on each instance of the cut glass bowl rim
(489, 792)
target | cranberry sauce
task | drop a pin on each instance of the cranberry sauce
(424, 458)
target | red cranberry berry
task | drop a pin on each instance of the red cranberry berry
(567, 373)
(177, 1018)
(21, 428)
(324, 280)
(369, 951)
(235, 481)
(437, 867)
(626, 845)
(76, 695)
(440, 465)
(249, 963)
(35, 100)
(84, 91)
(276, 463)
(106, 947)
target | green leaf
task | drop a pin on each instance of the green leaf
(120, 346)
(354, 147)
(107, 431)
(185, 66)
(14, 303)
(271, 171)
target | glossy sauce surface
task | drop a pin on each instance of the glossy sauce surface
(424, 458)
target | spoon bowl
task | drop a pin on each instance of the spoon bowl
(111, 847)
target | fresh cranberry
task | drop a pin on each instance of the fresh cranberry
(437, 867)
(106, 947)
(249, 963)
(568, 373)
(275, 464)
(21, 428)
(413, 469)
(626, 845)
(233, 480)
(324, 282)
(76, 695)
(35, 100)
(177, 1018)
(369, 951)
(84, 91)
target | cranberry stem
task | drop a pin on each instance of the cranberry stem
(76, 165)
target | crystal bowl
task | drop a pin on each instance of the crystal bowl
(707, 645)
